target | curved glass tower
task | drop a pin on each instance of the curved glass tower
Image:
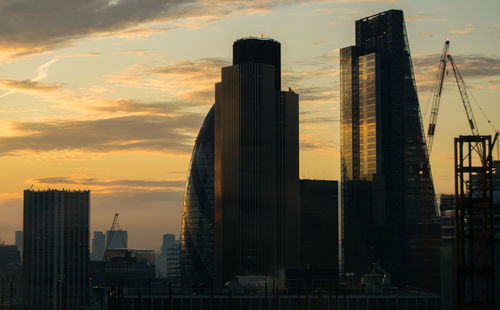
(197, 237)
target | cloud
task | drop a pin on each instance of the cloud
(424, 17)
(27, 85)
(471, 67)
(109, 185)
(176, 78)
(162, 133)
(426, 34)
(465, 30)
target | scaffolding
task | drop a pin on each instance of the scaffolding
(474, 222)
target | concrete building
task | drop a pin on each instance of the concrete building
(256, 165)
(56, 249)
(98, 245)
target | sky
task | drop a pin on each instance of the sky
(109, 95)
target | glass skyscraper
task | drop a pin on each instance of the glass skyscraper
(256, 164)
(382, 149)
(197, 238)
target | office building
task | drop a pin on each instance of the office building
(197, 256)
(384, 194)
(56, 249)
(119, 239)
(496, 226)
(10, 275)
(173, 262)
(19, 241)
(98, 245)
(319, 224)
(256, 165)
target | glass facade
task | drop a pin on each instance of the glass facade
(197, 238)
(383, 192)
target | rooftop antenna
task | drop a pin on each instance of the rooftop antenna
(31, 187)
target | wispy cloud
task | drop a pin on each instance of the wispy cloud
(465, 30)
(155, 129)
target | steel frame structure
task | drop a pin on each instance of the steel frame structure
(474, 222)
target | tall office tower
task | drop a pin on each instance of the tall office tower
(256, 165)
(19, 241)
(56, 249)
(319, 224)
(119, 239)
(98, 245)
(197, 257)
(173, 262)
(384, 196)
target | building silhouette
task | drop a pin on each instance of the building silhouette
(56, 249)
(197, 253)
(10, 275)
(119, 239)
(256, 165)
(98, 245)
(19, 241)
(382, 151)
(319, 224)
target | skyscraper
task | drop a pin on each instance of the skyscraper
(382, 149)
(98, 245)
(256, 164)
(197, 257)
(56, 249)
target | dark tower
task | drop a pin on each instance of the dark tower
(381, 131)
(56, 249)
(256, 165)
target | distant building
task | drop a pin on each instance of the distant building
(56, 249)
(170, 252)
(256, 165)
(119, 239)
(98, 245)
(131, 269)
(197, 257)
(173, 262)
(10, 273)
(382, 152)
(19, 241)
(319, 224)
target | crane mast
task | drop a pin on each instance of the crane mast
(436, 98)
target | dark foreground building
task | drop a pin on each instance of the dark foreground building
(197, 257)
(328, 300)
(56, 249)
(10, 275)
(382, 151)
(256, 165)
(319, 224)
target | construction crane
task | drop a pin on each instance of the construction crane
(436, 98)
(114, 226)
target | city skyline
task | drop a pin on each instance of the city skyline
(113, 108)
